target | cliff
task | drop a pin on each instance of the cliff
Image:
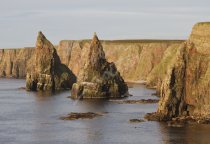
(185, 89)
(13, 62)
(134, 59)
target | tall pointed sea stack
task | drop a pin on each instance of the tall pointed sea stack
(98, 78)
(48, 72)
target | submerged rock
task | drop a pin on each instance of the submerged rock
(48, 73)
(142, 101)
(97, 77)
(136, 120)
(75, 116)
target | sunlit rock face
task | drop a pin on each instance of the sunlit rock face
(185, 89)
(136, 60)
(46, 71)
(98, 78)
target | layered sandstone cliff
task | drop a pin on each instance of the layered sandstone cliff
(47, 72)
(13, 62)
(98, 78)
(134, 59)
(185, 90)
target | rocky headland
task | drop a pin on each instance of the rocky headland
(185, 89)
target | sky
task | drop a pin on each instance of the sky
(20, 20)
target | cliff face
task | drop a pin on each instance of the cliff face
(46, 71)
(156, 76)
(185, 90)
(13, 62)
(134, 59)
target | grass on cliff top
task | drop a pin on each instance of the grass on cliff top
(129, 41)
(7, 49)
(203, 23)
(113, 41)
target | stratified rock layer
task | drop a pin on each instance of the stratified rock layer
(13, 62)
(134, 59)
(97, 77)
(185, 90)
(47, 72)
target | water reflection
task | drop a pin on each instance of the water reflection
(93, 105)
(43, 95)
(33, 117)
(191, 134)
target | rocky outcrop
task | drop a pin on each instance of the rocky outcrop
(185, 90)
(97, 77)
(47, 72)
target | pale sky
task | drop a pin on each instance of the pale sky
(20, 20)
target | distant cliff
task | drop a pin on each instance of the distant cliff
(135, 59)
(13, 62)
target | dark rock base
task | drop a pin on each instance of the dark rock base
(156, 117)
(142, 101)
(178, 121)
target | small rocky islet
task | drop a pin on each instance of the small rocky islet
(181, 73)
(76, 116)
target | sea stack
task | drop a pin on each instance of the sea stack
(185, 90)
(97, 77)
(48, 74)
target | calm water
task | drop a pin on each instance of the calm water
(33, 118)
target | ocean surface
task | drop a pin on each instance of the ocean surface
(33, 118)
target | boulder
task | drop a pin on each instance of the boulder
(47, 72)
(97, 77)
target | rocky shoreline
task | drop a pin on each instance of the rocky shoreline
(180, 72)
(180, 121)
